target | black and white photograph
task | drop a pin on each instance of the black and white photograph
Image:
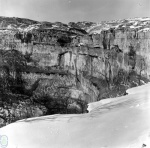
(74, 73)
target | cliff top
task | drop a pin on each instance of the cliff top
(25, 25)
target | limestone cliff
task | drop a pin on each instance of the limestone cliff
(78, 52)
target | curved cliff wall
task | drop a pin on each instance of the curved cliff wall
(84, 56)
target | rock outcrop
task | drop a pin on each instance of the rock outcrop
(77, 53)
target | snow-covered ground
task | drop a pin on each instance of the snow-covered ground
(123, 122)
(139, 24)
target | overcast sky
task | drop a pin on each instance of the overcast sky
(75, 10)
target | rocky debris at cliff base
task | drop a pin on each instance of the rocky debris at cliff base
(20, 110)
(121, 123)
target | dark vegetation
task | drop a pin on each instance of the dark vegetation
(17, 102)
(11, 82)
(24, 37)
(64, 41)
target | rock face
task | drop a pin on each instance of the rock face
(77, 52)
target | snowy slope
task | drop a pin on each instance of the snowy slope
(120, 123)
(139, 24)
(27, 25)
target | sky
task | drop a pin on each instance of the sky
(75, 10)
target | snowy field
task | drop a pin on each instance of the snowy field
(123, 122)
